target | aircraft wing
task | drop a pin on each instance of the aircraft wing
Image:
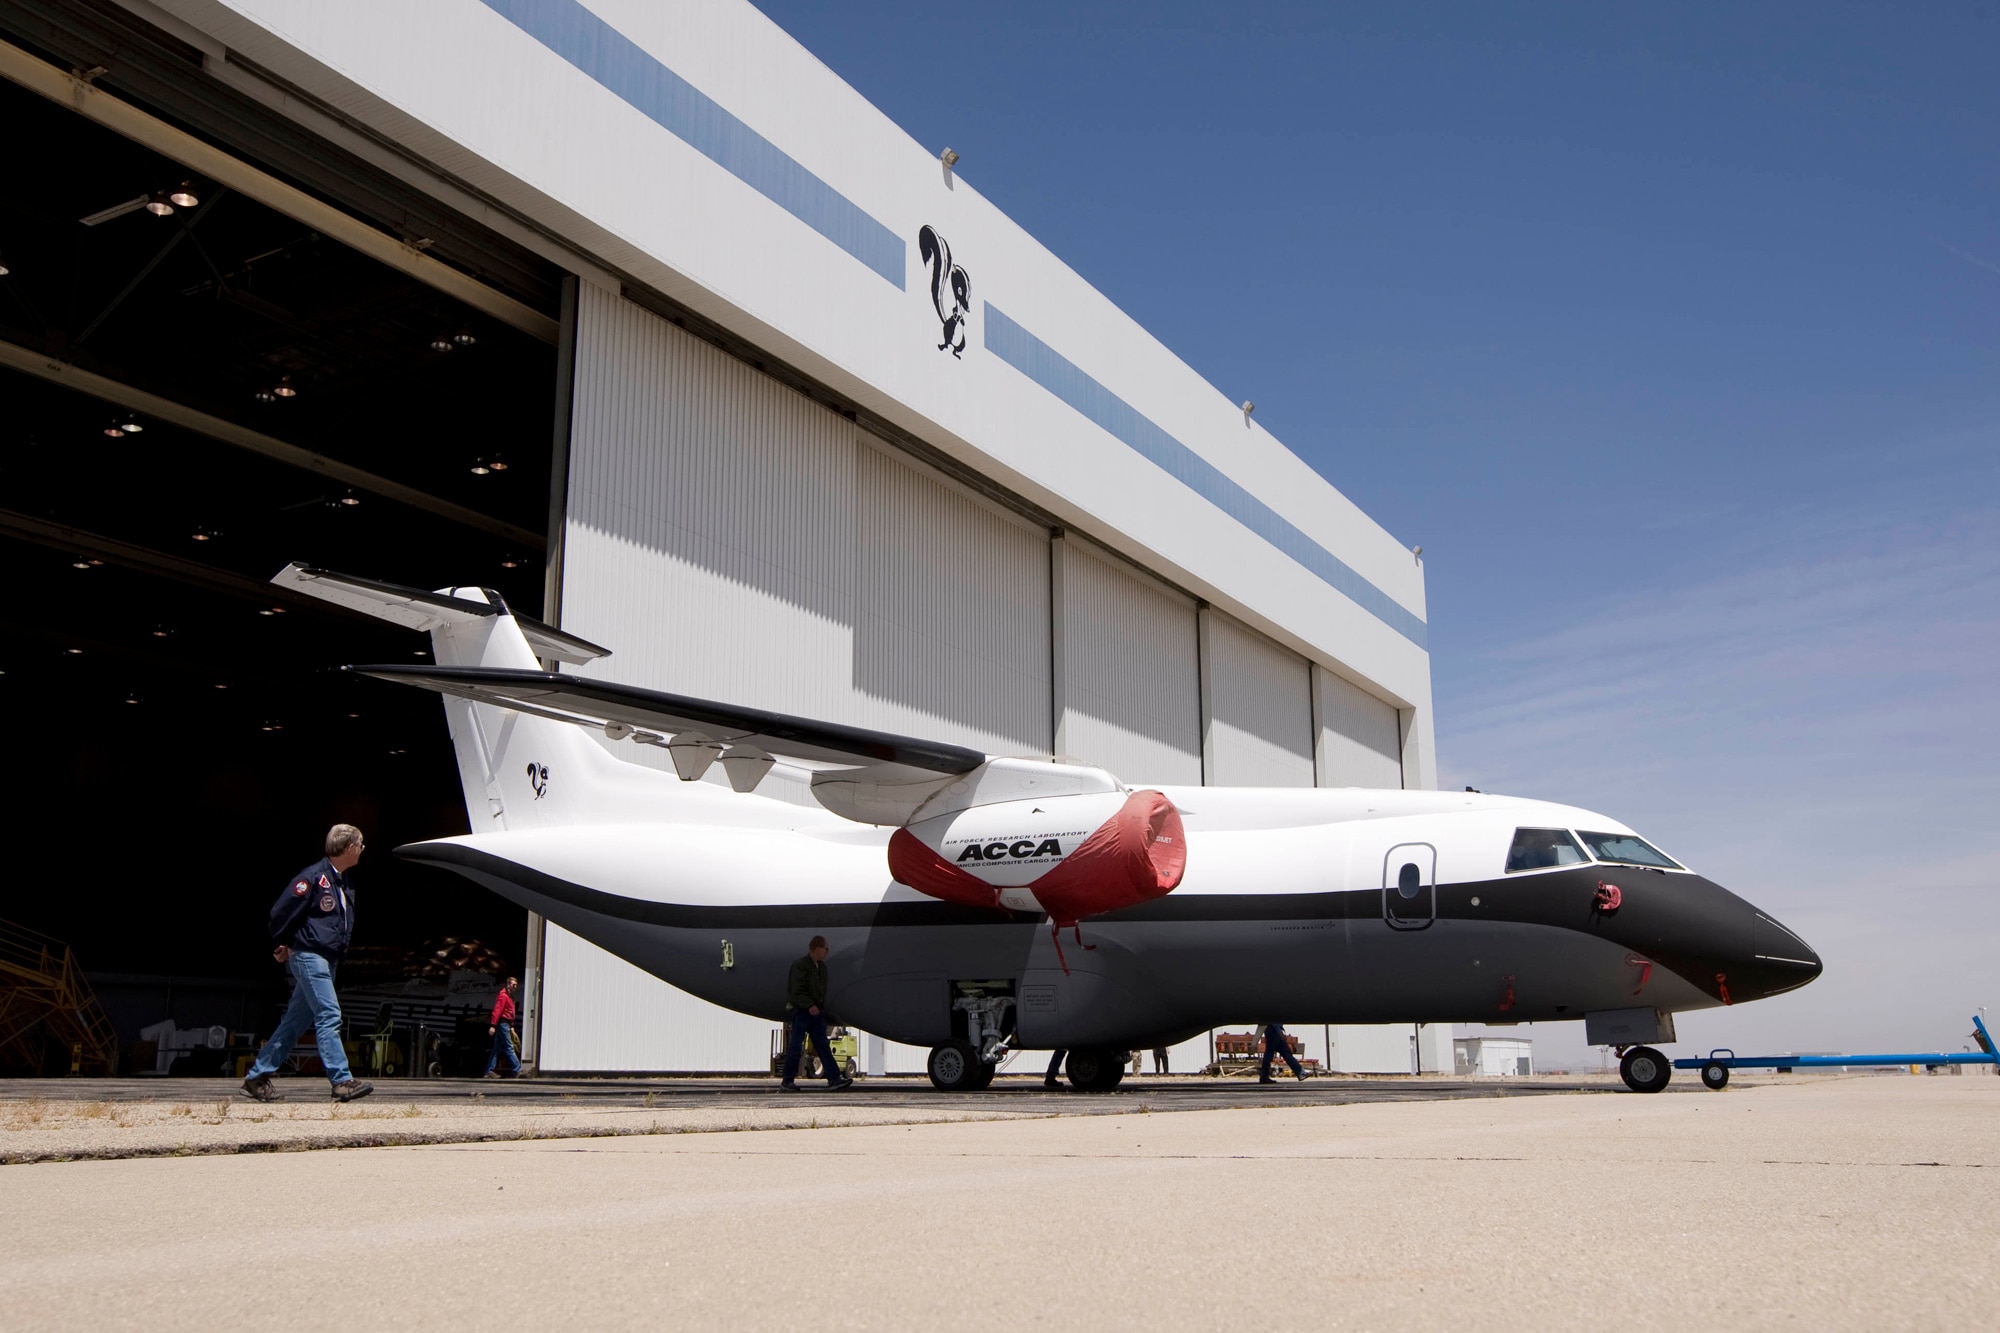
(875, 777)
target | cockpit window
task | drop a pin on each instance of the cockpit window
(1627, 849)
(1539, 848)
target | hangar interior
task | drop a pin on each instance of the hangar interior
(306, 347)
(196, 394)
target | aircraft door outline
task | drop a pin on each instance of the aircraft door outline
(1409, 886)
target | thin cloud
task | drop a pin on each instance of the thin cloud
(1817, 729)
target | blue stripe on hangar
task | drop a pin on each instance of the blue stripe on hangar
(620, 66)
(1067, 381)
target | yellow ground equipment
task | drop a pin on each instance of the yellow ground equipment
(45, 1001)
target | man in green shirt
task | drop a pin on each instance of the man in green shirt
(805, 993)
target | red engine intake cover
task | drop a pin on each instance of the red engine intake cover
(1137, 855)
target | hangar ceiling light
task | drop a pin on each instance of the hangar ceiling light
(464, 338)
(159, 206)
(442, 343)
(183, 195)
(284, 387)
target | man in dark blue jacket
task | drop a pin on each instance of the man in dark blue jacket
(311, 924)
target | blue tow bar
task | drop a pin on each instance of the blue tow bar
(1715, 1066)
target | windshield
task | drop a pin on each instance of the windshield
(1539, 848)
(1627, 849)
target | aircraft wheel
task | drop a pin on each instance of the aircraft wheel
(1095, 1070)
(954, 1067)
(1645, 1069)
(984, 1077)
(1715, 1076)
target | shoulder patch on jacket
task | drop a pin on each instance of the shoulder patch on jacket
(323, 883)
(301, 889)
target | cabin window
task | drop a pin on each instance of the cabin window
(1627, 849)
(1540, 848)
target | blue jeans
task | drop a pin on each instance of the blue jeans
(313, 1005)
(1274, 1046)
(503, 1044)
(803, 1023)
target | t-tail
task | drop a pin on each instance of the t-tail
(518, 770)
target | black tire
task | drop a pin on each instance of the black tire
(1645, 1069)
(1715, 1076)
(1095, 1070)
(953, 1067)
(984, 1078)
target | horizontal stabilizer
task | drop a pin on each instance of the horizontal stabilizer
(413, 608)
(678, 723)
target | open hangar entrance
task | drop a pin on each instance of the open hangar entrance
(207, 374)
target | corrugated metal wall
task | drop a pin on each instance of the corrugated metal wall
(1128, 670)
(1258, 700)
(951, 617)
(1360, 741)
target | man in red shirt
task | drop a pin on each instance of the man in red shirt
(501, 1028)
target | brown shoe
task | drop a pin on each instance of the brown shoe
(260, 1090)
(351, 1091)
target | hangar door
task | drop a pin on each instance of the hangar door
(1259, 708)
(1128, 674)
(1359, 740)
(728, 538)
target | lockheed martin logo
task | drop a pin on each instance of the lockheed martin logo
(951, 289)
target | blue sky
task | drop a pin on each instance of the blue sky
(1670, 333)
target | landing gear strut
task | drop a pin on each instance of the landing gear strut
(1645, 1069)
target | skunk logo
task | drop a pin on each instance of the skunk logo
(951, 289)
(538, 778)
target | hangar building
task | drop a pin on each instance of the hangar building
(639, 314)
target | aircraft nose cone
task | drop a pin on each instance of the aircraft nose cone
(1780, 960)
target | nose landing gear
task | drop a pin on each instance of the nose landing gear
(1645, 1069)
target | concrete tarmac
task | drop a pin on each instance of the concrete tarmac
(1857, 1202)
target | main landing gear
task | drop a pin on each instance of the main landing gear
(956, 1067)
(1645, 1069)
(1096, 1070)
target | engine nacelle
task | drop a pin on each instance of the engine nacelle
(1072, 854)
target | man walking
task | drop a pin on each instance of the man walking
(1276, 1043)
(501, 1029)
(805, 992)
(311, 924)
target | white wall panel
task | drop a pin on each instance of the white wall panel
(1360, 740)
(601, 1013)
(1129, 670)
(1259, 708)
(952, 612)
(710, 541)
